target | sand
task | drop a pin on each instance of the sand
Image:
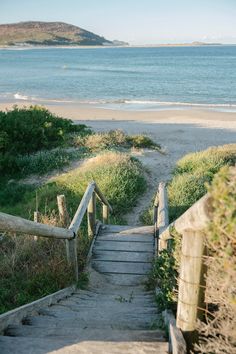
(178, 131)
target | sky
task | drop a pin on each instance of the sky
(134, 21)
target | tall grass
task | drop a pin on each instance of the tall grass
(30, 270)
(115, 139)
(191, 179)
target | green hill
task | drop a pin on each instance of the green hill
(48, 34)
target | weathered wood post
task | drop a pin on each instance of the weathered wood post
(163, 215)
(65, 221)
(105, 214)
(36, 219)
(155, 218)
(63, 213)
(91, 212)
(191, 284)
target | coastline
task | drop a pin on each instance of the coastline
(180, 115)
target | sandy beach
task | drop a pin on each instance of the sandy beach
(178, 131)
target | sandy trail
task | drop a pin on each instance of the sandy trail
(177, 137)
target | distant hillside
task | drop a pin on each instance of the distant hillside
(49, 34)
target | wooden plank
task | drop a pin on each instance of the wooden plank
(190, 298)
(114, 228)
(126, 279)
(102, 197)
(23, 345)
(126, 238)
(105, 214)
(16, 316)
(177, 343)
(163, 215)
(121, 267)
(128, 229)
(123, 246)
(78, 217)
(123, 256)
(19, 225)
(91, 214)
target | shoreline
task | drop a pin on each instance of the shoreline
(175, 115)
(160, 45)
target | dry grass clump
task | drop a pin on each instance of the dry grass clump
(218, 333)
(30, 270)
(115, 139)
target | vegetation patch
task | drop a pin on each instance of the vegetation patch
(27, 137)
(29, 269)
(115, 139)
(217, 332)
(192, 177)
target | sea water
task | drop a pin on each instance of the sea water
(122, 78)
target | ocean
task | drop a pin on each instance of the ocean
(122, 78)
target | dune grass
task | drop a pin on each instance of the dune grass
(29, 269)
(192, 177)
(115, 139)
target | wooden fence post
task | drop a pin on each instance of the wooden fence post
(191, 284)
(63, 213)
(65, 220)
(163, 215)
(105, 214)
(36, 219)
(71, 245)
(91, 212)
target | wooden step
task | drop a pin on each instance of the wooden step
(27, 345)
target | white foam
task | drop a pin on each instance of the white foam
(19, 96)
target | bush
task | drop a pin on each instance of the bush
(142, 141)
(115, 139)
(27, 130)
(218, 333)
(193, 172)
(192, 176)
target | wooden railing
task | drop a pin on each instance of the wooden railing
(191, 281)
(9, 223)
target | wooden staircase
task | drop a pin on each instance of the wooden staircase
(115, 314)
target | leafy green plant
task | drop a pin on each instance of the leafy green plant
(27, 130)
(163, 277)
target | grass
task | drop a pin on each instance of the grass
(192, 177)
(115, 139)
(221, 264)
(31, 270)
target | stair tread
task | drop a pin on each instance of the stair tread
(115, 314)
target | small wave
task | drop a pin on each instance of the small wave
(19, 96)
(165, 103)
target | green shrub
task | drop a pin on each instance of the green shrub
(27, 130)
(142, 141)
(218, 331)
(163, 277)
(193, 172)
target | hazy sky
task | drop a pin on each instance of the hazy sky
(135, 21)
